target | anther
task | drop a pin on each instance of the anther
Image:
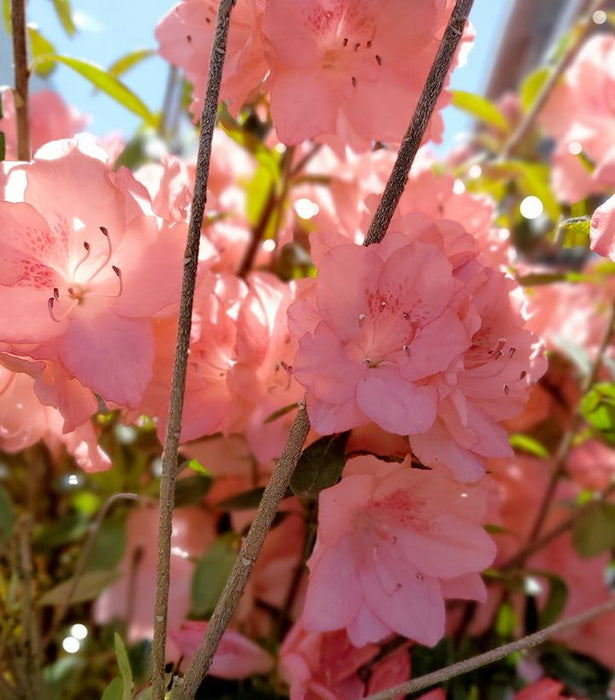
(118, 272)
(383, 304)
(356, 46)
(512, 352)
(362, 318)
(56, 294)
(506, 389)
(369, 44)
(378, 60)
(345, 42)
(523, 374)
(406, 315)
(354, 81)
(406, 349)
(86, 245)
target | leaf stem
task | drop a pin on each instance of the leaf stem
(178, 383)
(22, 76)
(416, 131)
(462, 667)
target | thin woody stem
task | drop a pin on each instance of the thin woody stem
(187, 686)
(462, 667)
(178, 384)
(582, 29)
(22, 75)
(418, 126)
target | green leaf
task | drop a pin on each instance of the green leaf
(247, 500)
(39, 48)
(280, 412)
(102, 80)
(190, 490)
(481, 108)
(65, 15)
(6, 16)
(593, 531)
(556, 598)
(506, 620)
(109, 544)
(7, 518)
(320, 465)
(90, 585)
(526, 443)
(575, 233)
(211, 573)
(114, 691)
(124, 665)
(531, 86)
(196, 466)
(129, 60)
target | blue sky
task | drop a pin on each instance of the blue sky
(111, 28)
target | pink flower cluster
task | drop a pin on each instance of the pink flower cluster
(350, 69)
(417, 319)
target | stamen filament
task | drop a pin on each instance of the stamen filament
(103, 264)
(86, 245)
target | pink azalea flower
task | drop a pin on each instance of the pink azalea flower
(50, 119)
(350, 68)
(397, 541)
(580, 115)
(88, 273)
(602, 230)
(417, 336)
(185, 35)
(24, 420)
(236, 657)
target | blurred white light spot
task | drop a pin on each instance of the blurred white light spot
(531, 207)
(575, 148)
(463, 495)
(532, 586)
(78, 631)
(599, 17)
(305, 208)
(475, 171)
(179, 552)
(157, 467)
(459, 187)
(504, 234)
(125, 434)
(72, 480)
(71, 645)
(78, 224)
(280, 148)
(269, 245)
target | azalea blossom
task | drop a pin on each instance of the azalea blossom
(88, 273)
(416, 335)
(397, 541)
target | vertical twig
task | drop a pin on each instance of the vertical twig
(583, 27)
(22, 75)
(176, 400)
(416, 131)
(280, 479)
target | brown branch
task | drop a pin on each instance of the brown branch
(22, 75)
(462, 667)
(280, 479)
(250, 547)
(178, 384)
(583, 28)
(416, 131)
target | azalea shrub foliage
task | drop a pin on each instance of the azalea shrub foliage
(455, 491)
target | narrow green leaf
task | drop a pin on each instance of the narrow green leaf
(6, 16)
(129, 60)
(481, 108)
(39, 48)
(320, 465)
(101, 79)
(211, 573)
(124, 664)
(526, 443)
(247, 500)
(196, 466)
(593, 531)
(280, 412)
(7, 517)
(531, 86)
(191, 489)
(65, 15)
(90, 585)
(114, 691)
